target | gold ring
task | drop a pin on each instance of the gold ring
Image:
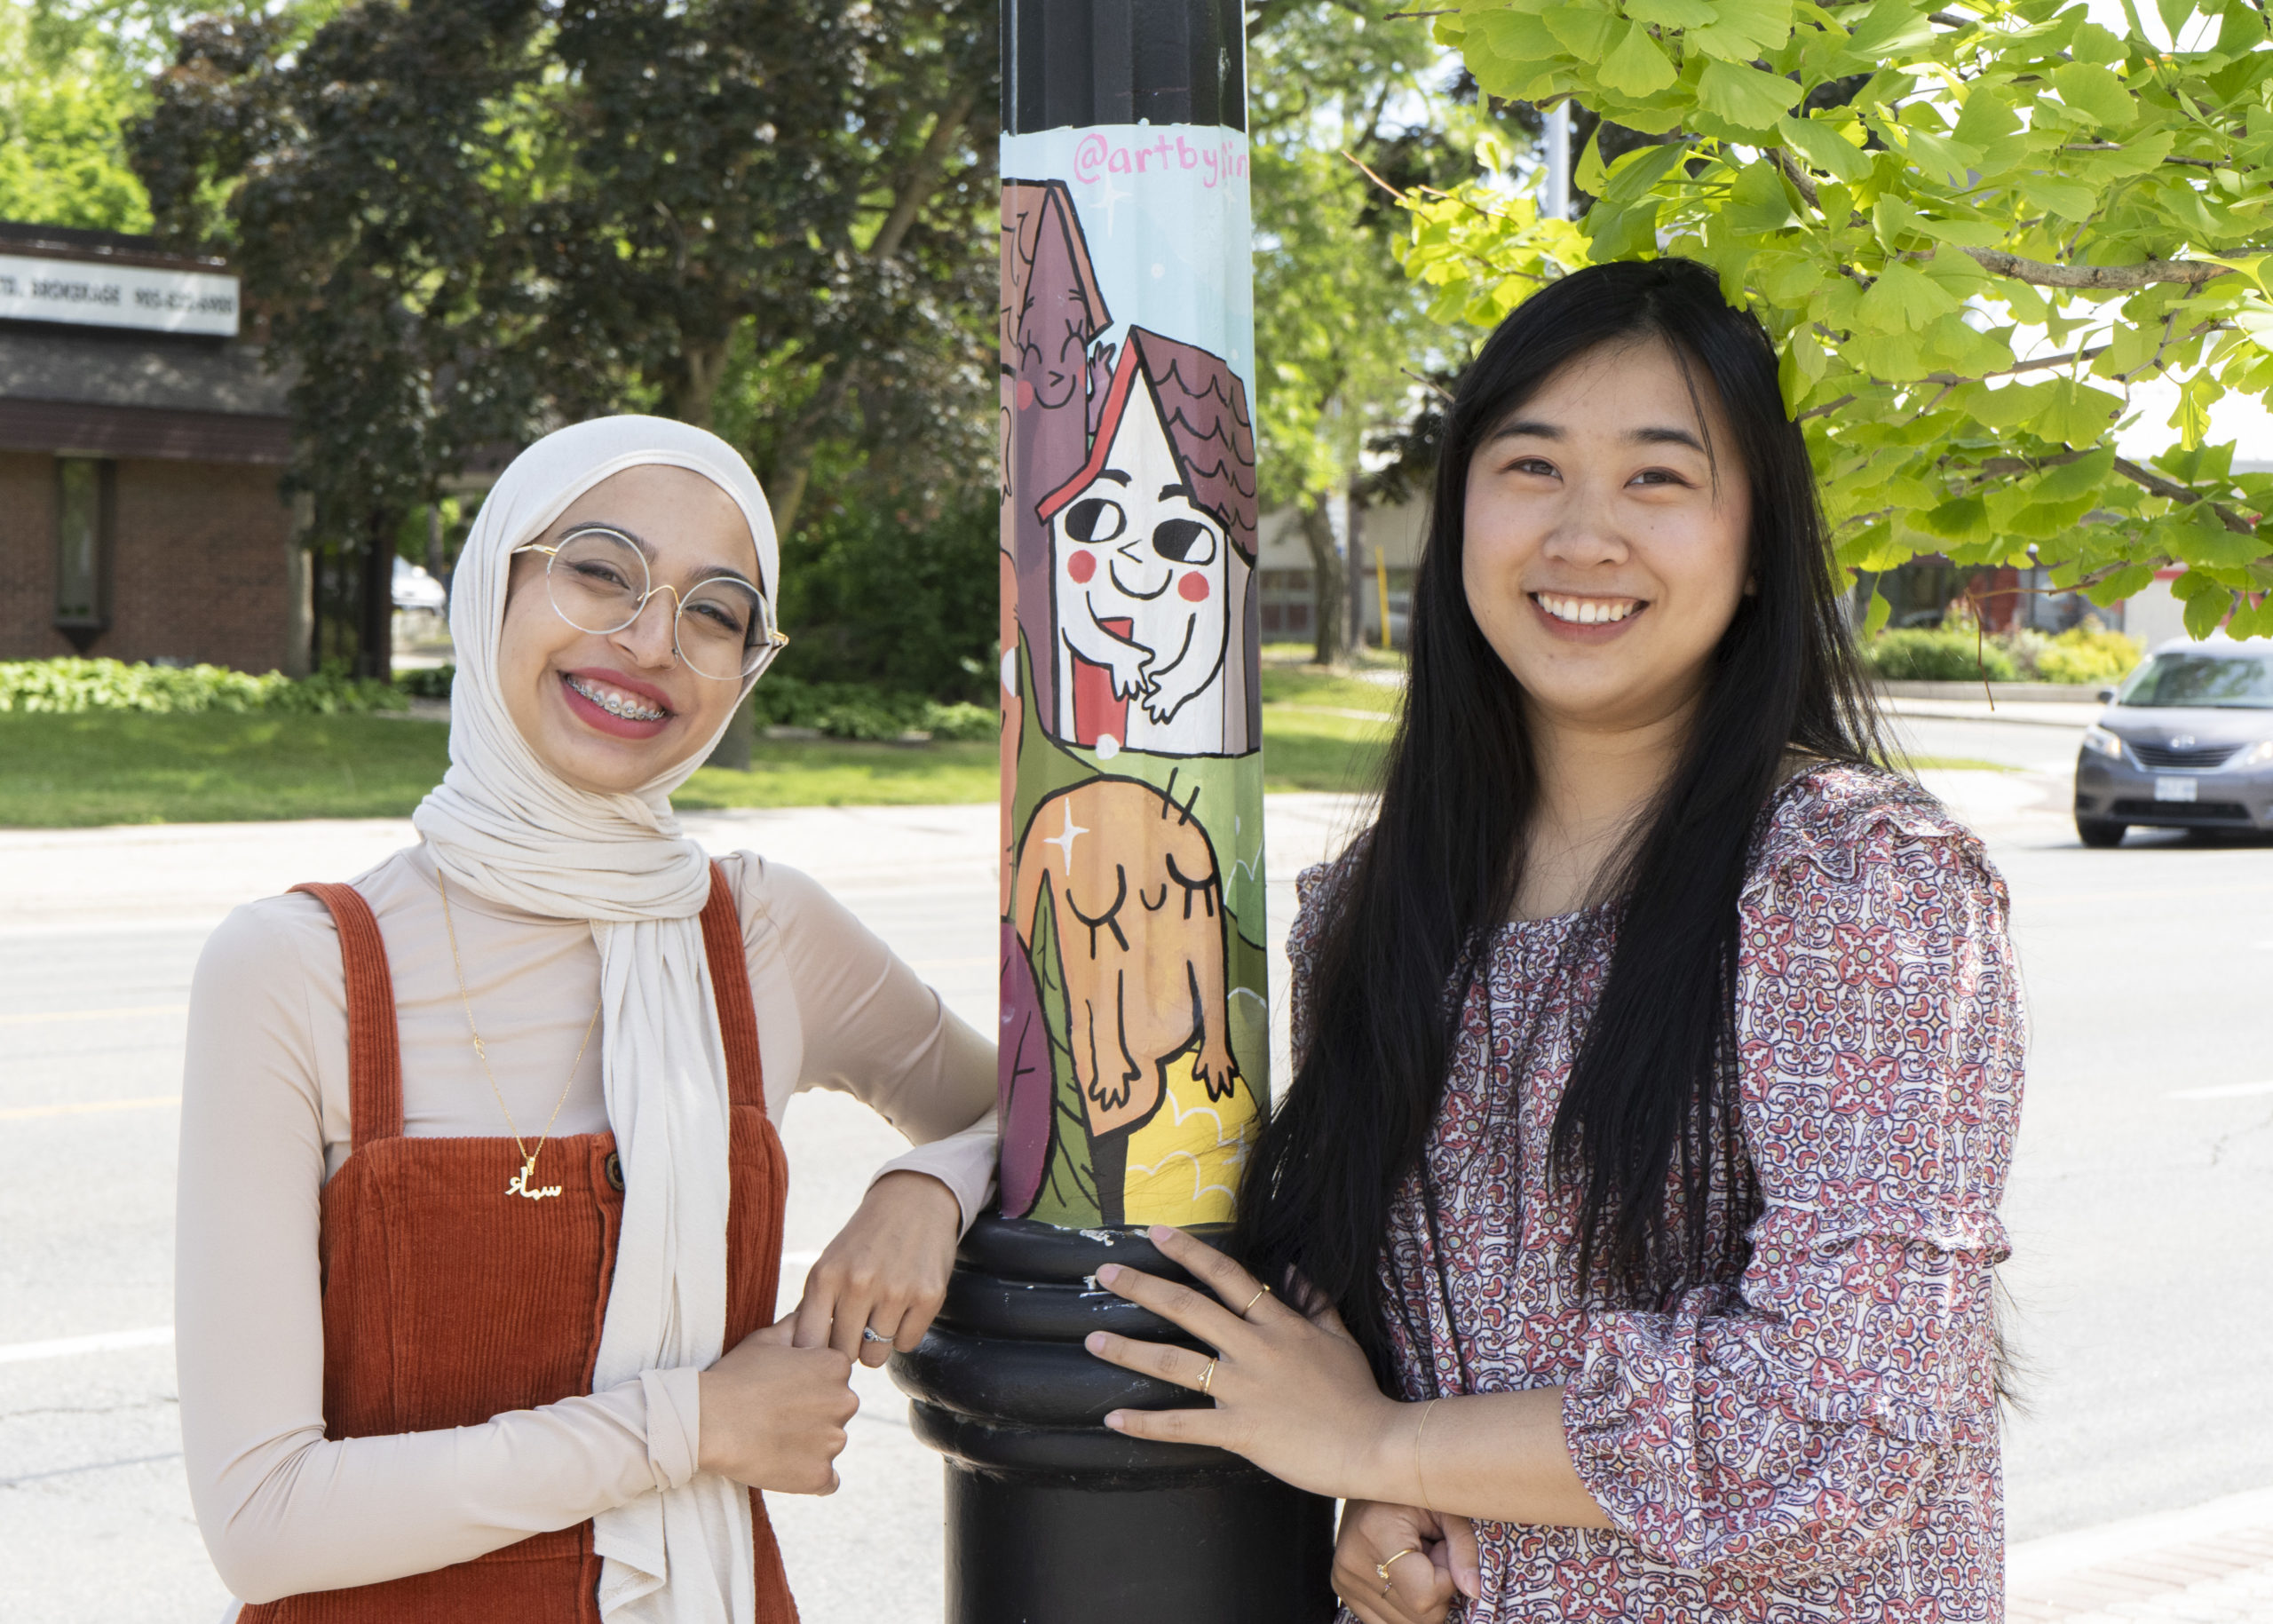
(1207, 1376)
(1261, 1292)
(1383, 1567)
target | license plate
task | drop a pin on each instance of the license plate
(2174, 788)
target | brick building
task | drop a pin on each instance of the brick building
(141, 445)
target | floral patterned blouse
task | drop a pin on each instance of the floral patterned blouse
(1815, 1436)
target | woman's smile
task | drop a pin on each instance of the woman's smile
(1588, 619)
(615, 704)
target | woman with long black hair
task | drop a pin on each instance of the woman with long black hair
(1659, 1055)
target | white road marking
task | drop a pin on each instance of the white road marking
(2227, 1090)
(46, 1016)
(14, 1113)
(105, 1341)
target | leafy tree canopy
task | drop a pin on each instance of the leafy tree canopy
(71, 76)
(1976, 232)
(465, 220)
(1340, 333)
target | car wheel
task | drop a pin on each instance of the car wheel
(2100, 832)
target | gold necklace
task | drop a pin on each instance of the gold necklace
(520, 1183)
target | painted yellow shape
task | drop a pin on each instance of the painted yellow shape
(1185, 1163)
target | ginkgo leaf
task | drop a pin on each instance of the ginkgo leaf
(1760, 202)
(1823, 147)
(1586, 31)
(1905, 298)
(1746, 29)
(2097, 93)
(1673, 14)
(1745, 96)
(1637, 65)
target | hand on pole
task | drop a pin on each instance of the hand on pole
(886, 1272)
(1293, 1394)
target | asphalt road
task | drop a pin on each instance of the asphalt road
(2142, 1284)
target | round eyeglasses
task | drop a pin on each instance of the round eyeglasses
(598, 583)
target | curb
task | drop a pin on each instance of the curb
(2120, 1565)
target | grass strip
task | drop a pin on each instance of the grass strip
(115, 767)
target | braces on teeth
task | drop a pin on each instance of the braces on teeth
(629, 710)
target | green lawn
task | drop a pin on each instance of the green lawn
(1321, 731)
(128, 767)
(107, 767)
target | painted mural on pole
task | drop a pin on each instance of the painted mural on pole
(1134, 1048)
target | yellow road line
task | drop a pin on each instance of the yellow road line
(18, 1113)
(45, 1016)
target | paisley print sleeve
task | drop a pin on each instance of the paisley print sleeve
(1790, 1423)
(1316, 888)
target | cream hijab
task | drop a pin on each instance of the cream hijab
(504, 827)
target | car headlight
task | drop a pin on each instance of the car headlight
(2258, 754)
(2101, 742)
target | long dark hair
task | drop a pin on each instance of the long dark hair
(1650, 1096)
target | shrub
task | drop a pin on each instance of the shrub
(1918, 655)
(864, 710)
(876, 597)
(428, 682)
(2088, 653)
(63, 687)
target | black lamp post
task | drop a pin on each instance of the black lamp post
(1134, 1039)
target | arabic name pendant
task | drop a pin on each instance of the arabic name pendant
(519, 1184)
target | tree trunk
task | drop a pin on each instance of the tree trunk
(375, 600)
(691, 391)
(1329, 582)
(793, 458)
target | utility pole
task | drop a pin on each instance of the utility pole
(1135, 1025)
(1557, 204)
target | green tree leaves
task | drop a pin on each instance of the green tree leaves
(1987, 238)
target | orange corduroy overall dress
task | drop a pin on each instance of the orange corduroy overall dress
(448, 1302)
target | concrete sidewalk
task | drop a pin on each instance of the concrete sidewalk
(2212, 1561)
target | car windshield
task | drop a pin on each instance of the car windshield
(2204, 681)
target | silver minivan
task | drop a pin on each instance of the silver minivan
(2187, 743)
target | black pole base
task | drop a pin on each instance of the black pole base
(1051, 1518)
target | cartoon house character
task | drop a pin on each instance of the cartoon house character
(1052, 312)
(1151, 554)
(1129, 883)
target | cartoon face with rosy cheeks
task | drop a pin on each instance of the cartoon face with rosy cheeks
(1140, 576)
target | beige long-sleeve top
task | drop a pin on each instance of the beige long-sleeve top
(265, 1121)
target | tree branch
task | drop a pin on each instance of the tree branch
(2110, 277)
(2176, 491)
(1950, 380)
(1797, 175)
(923, 177)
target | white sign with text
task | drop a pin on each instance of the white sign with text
(91, 293)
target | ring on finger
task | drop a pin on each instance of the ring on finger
(869, 1332)
(1261, 1292)
(1383, 1567)
(1206, 1377)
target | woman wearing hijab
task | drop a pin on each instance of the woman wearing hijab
(481, 1191)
